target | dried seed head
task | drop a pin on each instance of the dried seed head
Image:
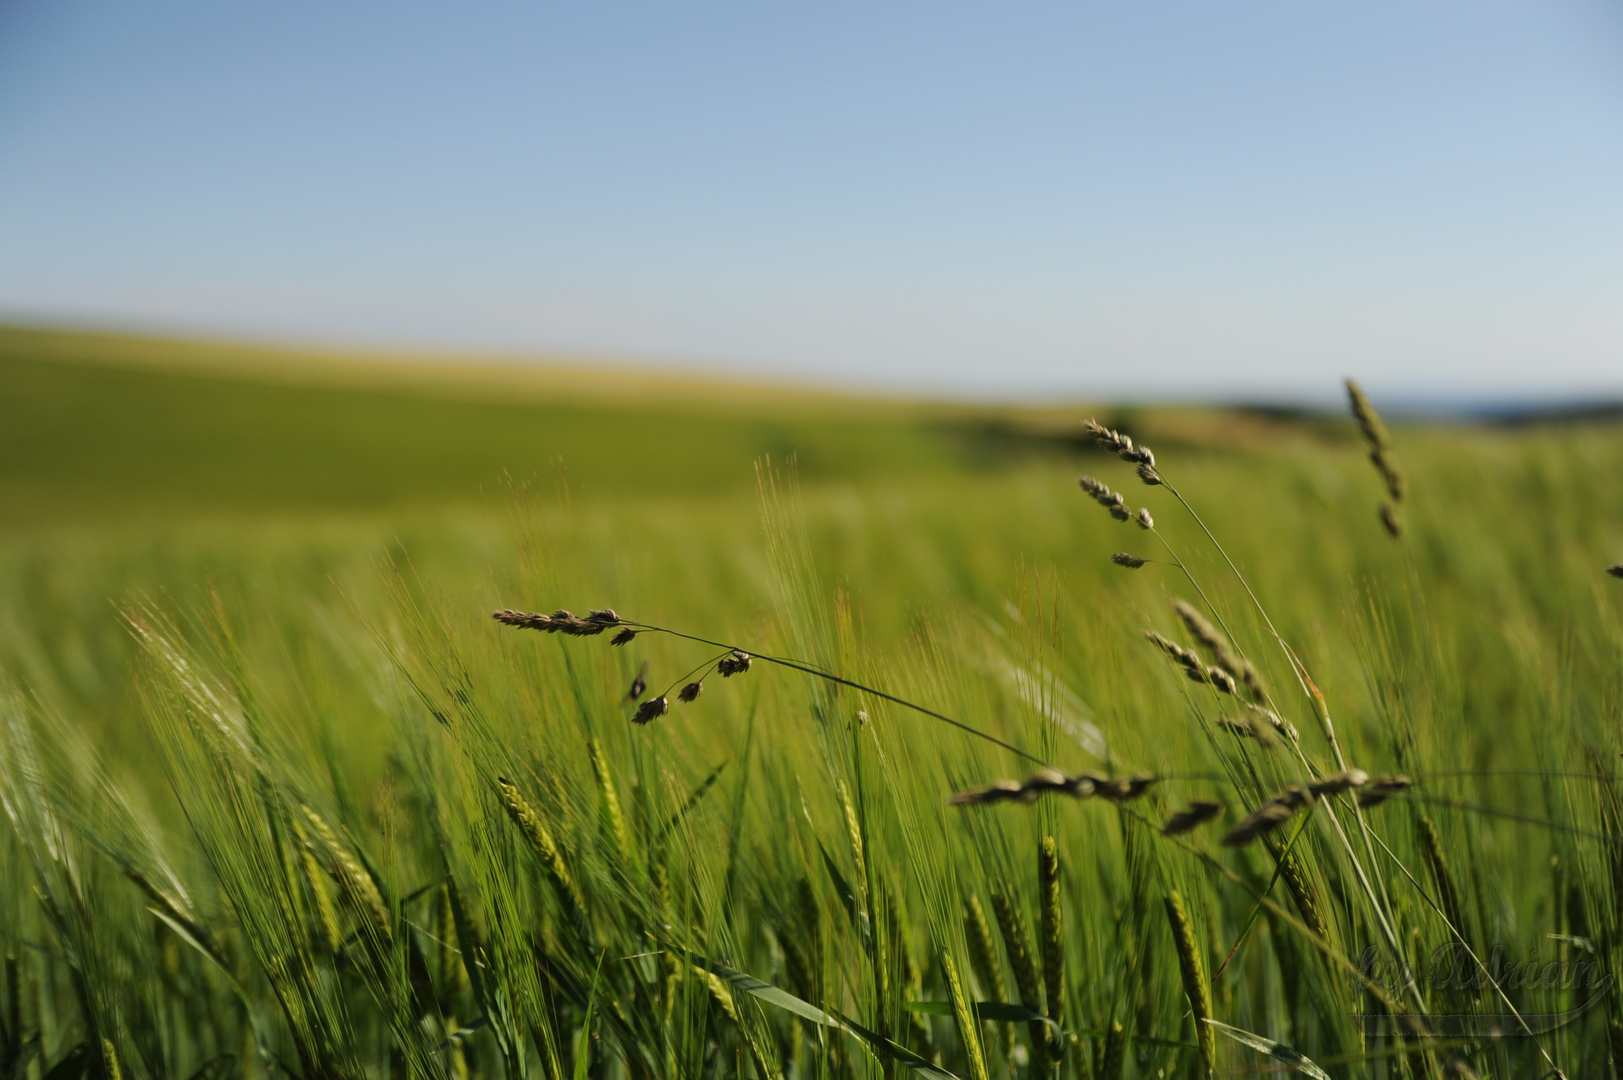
(580, 627)
(1196, 813)
(1192, 666)
(1379, 442)
(1110, 500)
(638, 685)
(1380, 789)
(624, 637)
(996, 791)
(1391, 521)
(650, 710)
(691, 692)
(1047, 777)
(1277, 722)
(1616, 570)
(1182, 656)
(1226, 656)
(1080, 787)
(1115, 441)
(1201, 629)
(735, 663)
(1145, 522)
(1369, 421)
(528, 620)
(1341, 781)
(1295, 795)
(1268, 816)
(1249, 727)
(1124, 789)
(1051, 781)
(1132, 562)
(603, 615)
(1221, 679)
(1147, 473)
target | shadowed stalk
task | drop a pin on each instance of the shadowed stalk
(1053, 941)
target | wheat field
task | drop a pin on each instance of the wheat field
(955, 790)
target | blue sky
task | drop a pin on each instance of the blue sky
(1166, 198)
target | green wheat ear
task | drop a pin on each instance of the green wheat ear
(984, 963)
(1017, 944)
(610, 800)
(1194, 979)
(1053, 939)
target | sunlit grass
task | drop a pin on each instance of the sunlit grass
(193, 700)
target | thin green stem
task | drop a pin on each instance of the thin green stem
(829, 677)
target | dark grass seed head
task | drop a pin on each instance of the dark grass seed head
(691, 692)
(1132, 562)
(1197, 813)
(1382, 788)
(1051, 781)
(650, 710)
(527, 620)
(1266, 818)
(1391, 521)
(1616, 570)
(1121, 445)
(624, 637)
(1342, 781)
(1112, 501)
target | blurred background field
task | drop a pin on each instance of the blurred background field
(355, 523)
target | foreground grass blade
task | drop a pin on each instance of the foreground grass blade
(583, 1058)
(1276, 1051)
(985, 1010)
(876, 1043)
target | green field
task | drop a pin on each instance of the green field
(284, 799)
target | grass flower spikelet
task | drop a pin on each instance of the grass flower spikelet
(1197, 813)
(650, 710)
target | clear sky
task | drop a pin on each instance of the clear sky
(1161, 198)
